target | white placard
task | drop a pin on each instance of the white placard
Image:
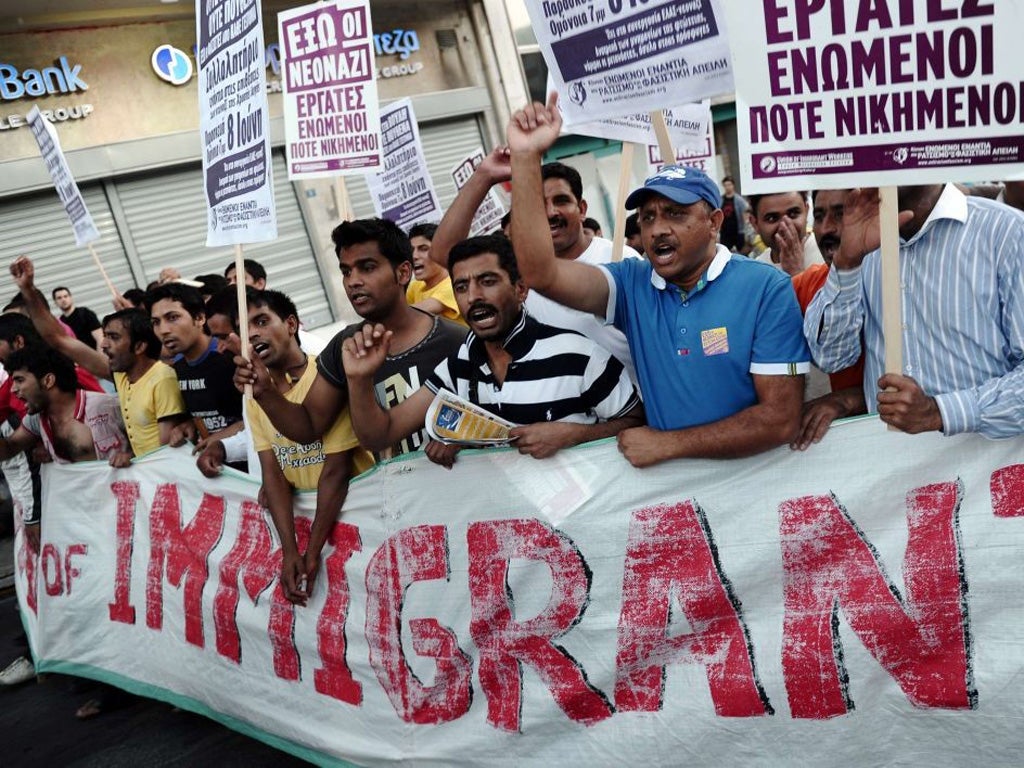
(331, 113)
(234, 123)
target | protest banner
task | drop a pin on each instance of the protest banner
(234, 123)
(688, 126)
(67, 189)
(620, 57)
(855, 604)
(63, 180)
(488, 216)
(403, 191)
(700, 156)
(331, 112)
(829, 95)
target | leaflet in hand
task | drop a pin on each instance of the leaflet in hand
(452, 420)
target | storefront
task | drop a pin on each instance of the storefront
(123, 99)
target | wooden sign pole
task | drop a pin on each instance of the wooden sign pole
(625, 172)
(243, 309)
(892, 304)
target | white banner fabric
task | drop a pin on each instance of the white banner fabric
(856, 604)
(63, 180)
(619, 57)
(234, 123)
(843, 94)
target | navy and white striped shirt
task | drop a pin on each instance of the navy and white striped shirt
(962, 285)
(554, 375)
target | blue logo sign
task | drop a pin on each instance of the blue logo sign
(172, 65)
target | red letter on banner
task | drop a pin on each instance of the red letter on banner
(671, 553)
(1007, 486)
(185, 551)
(921, 639)
(28, 564)
(254, 559)
(414, 554)
(127, 495)
(506, 644)
(334, 678)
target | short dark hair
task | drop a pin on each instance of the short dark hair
(755, 200)
(423, 229)
(224, 302)
(211, 284)
(727, 178)
(633, 225)
(139, 328)
(14, 324)
(499, 245)
(136, 296)
(590, 223)
(53, 293)
(391, 241)
(566, 172)
(276, 301)
(190, 298)
(40, 360)
(252, 268)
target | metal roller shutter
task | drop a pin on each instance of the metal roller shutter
(445, 143)
(36, 225)
(166, 216)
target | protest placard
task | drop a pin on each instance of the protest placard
(488, 216)
(619, 57)
(403, 191)
(63, 181)
(701, 155)
(688, 126)
(847, 93)
(855, 604)
(331, 112)
(234, 123)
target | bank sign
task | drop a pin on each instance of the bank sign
(63, 77)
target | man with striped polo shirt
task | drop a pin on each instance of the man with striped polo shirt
(559, 386)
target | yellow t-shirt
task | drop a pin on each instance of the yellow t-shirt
(442, 292)
(302, 464)
(156, 395)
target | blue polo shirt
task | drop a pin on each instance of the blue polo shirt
(695, 352)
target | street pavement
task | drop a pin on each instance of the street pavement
(38, 726)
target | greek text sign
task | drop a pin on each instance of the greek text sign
(845, 93)
(403, 190)
(332, 120)
(234, 122)
(65, 184)
(620, 57)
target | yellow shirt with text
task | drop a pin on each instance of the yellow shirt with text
(300, 463)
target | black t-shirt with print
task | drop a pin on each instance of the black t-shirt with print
(208, 388)
(400, 375)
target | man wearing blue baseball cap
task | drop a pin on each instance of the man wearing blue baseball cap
(716, 339)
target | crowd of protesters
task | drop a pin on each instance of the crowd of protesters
(685, 347)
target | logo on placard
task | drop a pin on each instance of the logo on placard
(768, 164)
(901, 155)
(172, 65)
(577, 93)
